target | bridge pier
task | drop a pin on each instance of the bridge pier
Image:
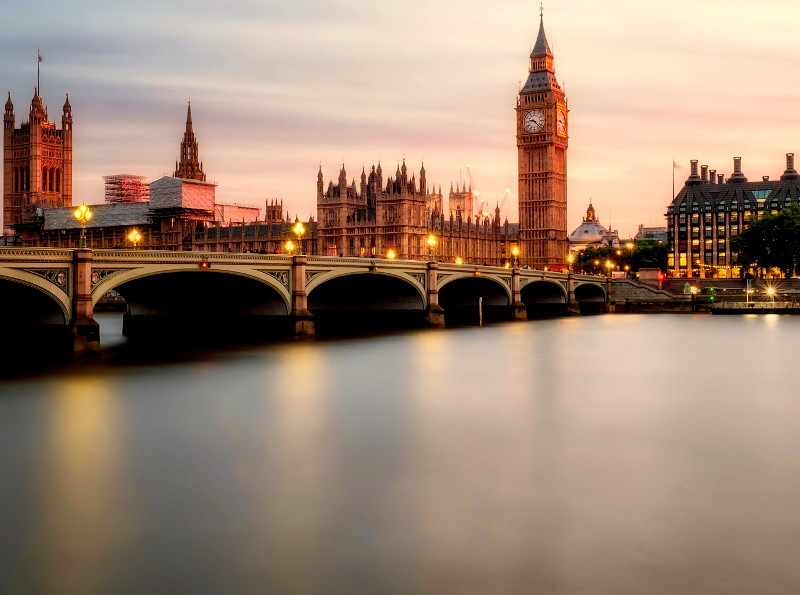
(573, 307)
(302, 318)
(85, 330)
(434, 313)
(519, 311)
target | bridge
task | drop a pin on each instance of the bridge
(284, 294)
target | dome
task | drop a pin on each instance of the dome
(589, 232)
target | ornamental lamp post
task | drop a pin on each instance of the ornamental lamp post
(134, 237)
(391, 255)
(570, 260)
(299, 230)
(289, 245)
(609, 266)
(515, 254)
(432, 245)
(83, 214)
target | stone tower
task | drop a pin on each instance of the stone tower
(189, 167)
(542, 162)
(37, 162)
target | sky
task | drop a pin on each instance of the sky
(279, 88)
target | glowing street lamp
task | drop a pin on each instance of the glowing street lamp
(570, 260)
(458, 260)
(609, 266)
(299, 230)
(83, 215)
(515, 254)
(432, 244)
(629, 245)
(391, 254)
(289, 245)
(134, 238)
(771, 293)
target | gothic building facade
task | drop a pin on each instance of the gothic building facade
(374, 219)
(37, 162)
(542, 136)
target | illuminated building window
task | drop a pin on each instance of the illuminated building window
(683, 259)
(695, 242)
(670, 260)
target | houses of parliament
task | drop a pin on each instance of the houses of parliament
(374, 217)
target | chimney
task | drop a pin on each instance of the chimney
(712, 176)
(737, 176)
(704, 173)
(694, 178)
(790, 173)
(765, 178)
(720, 178)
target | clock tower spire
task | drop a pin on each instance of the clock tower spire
(542, 161)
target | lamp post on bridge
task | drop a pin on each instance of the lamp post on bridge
(134, 237)
(299, 230)
(83, 214)
(432, 246)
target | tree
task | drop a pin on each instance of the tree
(770, 242)
(645, 254)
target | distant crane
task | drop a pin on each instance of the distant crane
(483, 204)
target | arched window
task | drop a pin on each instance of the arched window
(43, 185)
(58, 180)
(15, 183)
(27, 181)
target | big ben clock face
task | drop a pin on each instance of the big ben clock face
(534, 121)
(561, 123)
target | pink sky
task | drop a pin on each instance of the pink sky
(277, 89)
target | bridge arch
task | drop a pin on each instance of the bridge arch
(591, 297)
(320, 278)
(483, 280)
(117, 279)
(460, 293)
(358, 301)
(545, 292)
(33, 299)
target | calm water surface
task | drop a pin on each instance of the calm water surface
(609, 454)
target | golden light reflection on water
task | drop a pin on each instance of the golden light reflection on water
(80, 473)
(291, 480)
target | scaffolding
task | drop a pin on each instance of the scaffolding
(126, 188)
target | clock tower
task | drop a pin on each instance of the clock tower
(542, 162)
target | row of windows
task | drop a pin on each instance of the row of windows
(706, 259)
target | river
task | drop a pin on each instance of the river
(602, 454)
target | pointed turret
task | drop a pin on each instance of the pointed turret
(541, 47)
(542, 75)
(8, 118)
(189, 167)
(38, 112)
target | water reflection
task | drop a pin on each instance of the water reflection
(613, 454)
